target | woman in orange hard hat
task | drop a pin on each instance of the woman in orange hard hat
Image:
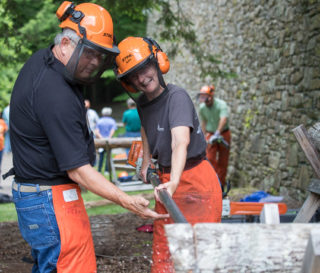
(171, 133)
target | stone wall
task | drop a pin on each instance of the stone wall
(274, 47)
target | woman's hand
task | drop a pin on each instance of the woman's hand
(143, 173)
(170, 187)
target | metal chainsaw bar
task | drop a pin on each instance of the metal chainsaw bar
(167, 200)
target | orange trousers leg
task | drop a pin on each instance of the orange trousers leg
(77, 250)
(199, 198)
(218, 155)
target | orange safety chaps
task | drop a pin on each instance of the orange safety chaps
(218, 155)
(199, 198)
(77, 250)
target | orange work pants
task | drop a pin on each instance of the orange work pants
(218, 155)
(199, 198)
(77, 250)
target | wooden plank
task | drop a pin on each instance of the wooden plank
(311, 260)
(270, 214)
(139, 187)
(104, 202)
(308, 147)
(124, 167)
(314, 186)
(308, 209)
(314, 133)
(116, 142)
(181, 246)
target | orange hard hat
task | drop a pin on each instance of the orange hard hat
(207, 90)
(137, 51)
(123, 174)
(91, 22)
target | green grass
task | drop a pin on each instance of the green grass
(8, 211)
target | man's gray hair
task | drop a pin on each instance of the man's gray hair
(67, 32)
(131, 102)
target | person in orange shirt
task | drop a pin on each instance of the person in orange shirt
(3, 130)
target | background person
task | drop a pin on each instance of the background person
(6, 118)
(92, 116)
(131, 120)
(52, 146)
(3, 130)
(214, 115)
(106, 126)
(171, 133)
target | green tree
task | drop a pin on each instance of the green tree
(28, 25)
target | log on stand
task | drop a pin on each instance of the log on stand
(250, 248)
(312, 202)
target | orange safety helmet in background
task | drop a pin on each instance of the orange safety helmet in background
(93, 24)
(207, 90)
(136, 52)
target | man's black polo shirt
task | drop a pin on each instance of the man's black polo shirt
(48, 129)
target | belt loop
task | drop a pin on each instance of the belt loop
(38, 188)
(19, 192)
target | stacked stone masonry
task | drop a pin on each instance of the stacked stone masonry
(274, 47)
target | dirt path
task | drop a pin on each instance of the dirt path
(120, 247)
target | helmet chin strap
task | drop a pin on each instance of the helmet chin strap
(160, 77)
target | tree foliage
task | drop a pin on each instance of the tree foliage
(28, 25)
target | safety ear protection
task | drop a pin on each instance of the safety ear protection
(66, 9)
(160, 56)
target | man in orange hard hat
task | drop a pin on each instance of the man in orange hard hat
(214, 114)
(52, 145)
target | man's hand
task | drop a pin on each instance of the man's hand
(139, 206)
(214, 138)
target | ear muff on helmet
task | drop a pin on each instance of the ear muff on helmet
(160, 56)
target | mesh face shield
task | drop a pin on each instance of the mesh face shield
(88, 62)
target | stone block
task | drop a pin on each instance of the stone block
(292, 155)
(274, 159)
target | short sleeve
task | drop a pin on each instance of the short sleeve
(201, 112)
(224, 110)
(180, 109)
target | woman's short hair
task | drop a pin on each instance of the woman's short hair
(106, 111)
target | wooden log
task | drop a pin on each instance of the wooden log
(308, 147)
(311, 260)
(249, 248)
(314, 133)
(181, 246)
(104, 202)
(270, 214)
(308, 208)
(116, 142)
(124, 167)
